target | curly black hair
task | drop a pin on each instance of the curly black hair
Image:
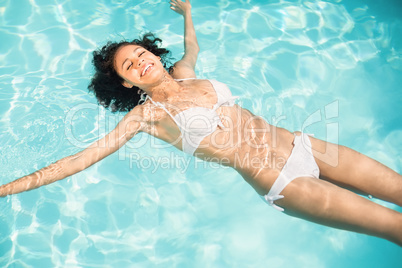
(106, 84)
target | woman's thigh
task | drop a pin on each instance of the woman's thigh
(327, 204)
(350, 169)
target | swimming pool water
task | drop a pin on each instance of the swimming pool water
(332, 68)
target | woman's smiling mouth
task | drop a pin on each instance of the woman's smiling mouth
(146, 69)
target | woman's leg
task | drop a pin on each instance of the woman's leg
(325, 203)
(353, 170)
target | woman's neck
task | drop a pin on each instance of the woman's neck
(166, 88)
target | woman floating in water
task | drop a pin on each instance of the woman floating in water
(297, 174)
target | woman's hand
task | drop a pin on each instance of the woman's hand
(181, 7)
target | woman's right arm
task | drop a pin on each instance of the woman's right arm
(185, 67)
(124, 131)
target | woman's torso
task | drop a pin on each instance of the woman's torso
(245, 142)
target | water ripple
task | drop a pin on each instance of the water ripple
(287, 59)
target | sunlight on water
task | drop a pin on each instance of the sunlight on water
(290, 61)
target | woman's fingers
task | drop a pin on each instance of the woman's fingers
(176, 6)
(174, 2)
(180, 7)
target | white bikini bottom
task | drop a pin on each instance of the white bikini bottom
(301, 163)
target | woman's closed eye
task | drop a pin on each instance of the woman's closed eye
(131, 64)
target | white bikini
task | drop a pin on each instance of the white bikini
(301, 163)
(196, 123)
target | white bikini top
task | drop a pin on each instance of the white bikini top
(196, 123)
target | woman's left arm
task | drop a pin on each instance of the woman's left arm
(185, 67)
(130, 125)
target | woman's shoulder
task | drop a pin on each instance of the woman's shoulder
(181, 71)
(146, 113)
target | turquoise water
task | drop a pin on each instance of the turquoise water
(332, 68)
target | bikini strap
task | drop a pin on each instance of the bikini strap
(158, 104)
(184, 79)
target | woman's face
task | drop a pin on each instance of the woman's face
(138, 67)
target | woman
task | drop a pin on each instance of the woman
(295, 173)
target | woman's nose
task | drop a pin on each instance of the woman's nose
(140, 61)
